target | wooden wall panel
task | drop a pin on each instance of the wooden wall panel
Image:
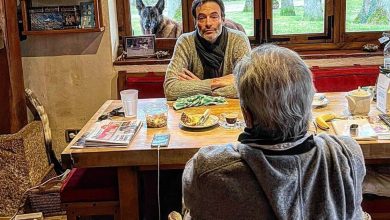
(13, 112)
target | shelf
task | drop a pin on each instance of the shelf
(96, 13)
(64, 31)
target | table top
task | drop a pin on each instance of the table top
(184, 143)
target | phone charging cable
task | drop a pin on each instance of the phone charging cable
(158, 182)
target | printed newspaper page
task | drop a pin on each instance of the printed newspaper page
(109, 133)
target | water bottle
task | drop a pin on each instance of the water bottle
(386, 54)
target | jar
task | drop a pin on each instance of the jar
(156, 115)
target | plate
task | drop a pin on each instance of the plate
(319, 100)
(211, 121)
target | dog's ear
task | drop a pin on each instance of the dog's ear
(140, 5)
(160, 6)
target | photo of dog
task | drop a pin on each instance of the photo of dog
(154, 22)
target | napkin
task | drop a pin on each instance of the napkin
(198, 100)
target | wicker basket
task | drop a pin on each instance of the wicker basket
(46, 199)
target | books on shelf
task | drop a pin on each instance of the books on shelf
(45, 18)
(109, 133)
(70, 16)
(364, 131)
(62, 17)
(87, 14)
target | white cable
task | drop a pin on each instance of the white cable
(34, 187)
(158, 182)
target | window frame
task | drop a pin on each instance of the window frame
(308, 38)
(334, 37)
(349, 37)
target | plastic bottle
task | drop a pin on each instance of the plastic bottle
(386, 54)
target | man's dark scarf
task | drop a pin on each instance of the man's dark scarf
(212, 54)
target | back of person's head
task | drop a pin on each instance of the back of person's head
(197, 3)
(275, 87)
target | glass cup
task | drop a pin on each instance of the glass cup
(156, 115)
(130, 100)
(230, 118)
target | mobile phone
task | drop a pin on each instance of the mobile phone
(161, 140)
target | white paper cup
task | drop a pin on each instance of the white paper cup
(130, 100)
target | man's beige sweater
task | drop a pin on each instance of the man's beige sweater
(186, 56)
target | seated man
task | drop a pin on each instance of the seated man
(203, 60)
(278, 170)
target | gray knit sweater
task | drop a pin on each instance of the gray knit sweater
(185, 56)
(241, 182)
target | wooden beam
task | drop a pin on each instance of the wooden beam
(13, 109)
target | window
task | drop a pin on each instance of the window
(367, 15)
(299, 21)
(145, 17)
(297, 17)
(298, 24)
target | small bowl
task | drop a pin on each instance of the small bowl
(156, 115)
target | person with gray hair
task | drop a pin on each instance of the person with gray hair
(277, 170)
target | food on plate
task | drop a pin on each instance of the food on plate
(190, 120)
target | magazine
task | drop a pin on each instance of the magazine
(364, 131)
(109, 133)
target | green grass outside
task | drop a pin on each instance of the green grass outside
(285, 24)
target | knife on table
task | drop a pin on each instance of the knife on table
(204, 117)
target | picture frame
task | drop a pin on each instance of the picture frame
(139, 46)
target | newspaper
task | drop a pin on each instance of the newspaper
(109, 133)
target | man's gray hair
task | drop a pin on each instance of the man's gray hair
(276, 87)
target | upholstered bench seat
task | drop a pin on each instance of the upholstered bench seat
(342, 79)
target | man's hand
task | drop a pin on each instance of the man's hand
(222, 81)
(187, 75)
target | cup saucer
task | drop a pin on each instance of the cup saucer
(238, 125)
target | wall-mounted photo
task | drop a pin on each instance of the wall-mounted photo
(140, 46)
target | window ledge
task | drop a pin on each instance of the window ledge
(120, 61)
(306, 55)
(333, 54)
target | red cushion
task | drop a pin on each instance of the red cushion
(88, 185)
(149, 86)
(376, 204)
(341, 79)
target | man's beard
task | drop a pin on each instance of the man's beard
(211, 38)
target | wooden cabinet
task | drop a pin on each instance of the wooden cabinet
(58, 8)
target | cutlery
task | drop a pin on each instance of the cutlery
(204, 117)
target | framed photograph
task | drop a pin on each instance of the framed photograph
(139, 46)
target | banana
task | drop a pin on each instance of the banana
(322, 119)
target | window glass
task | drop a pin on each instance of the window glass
(367, 15)
(146, 18)
(297, 16)
(239, 15)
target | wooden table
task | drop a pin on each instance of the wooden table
(183, 144)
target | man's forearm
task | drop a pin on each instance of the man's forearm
(227, 91)
(175, 88)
